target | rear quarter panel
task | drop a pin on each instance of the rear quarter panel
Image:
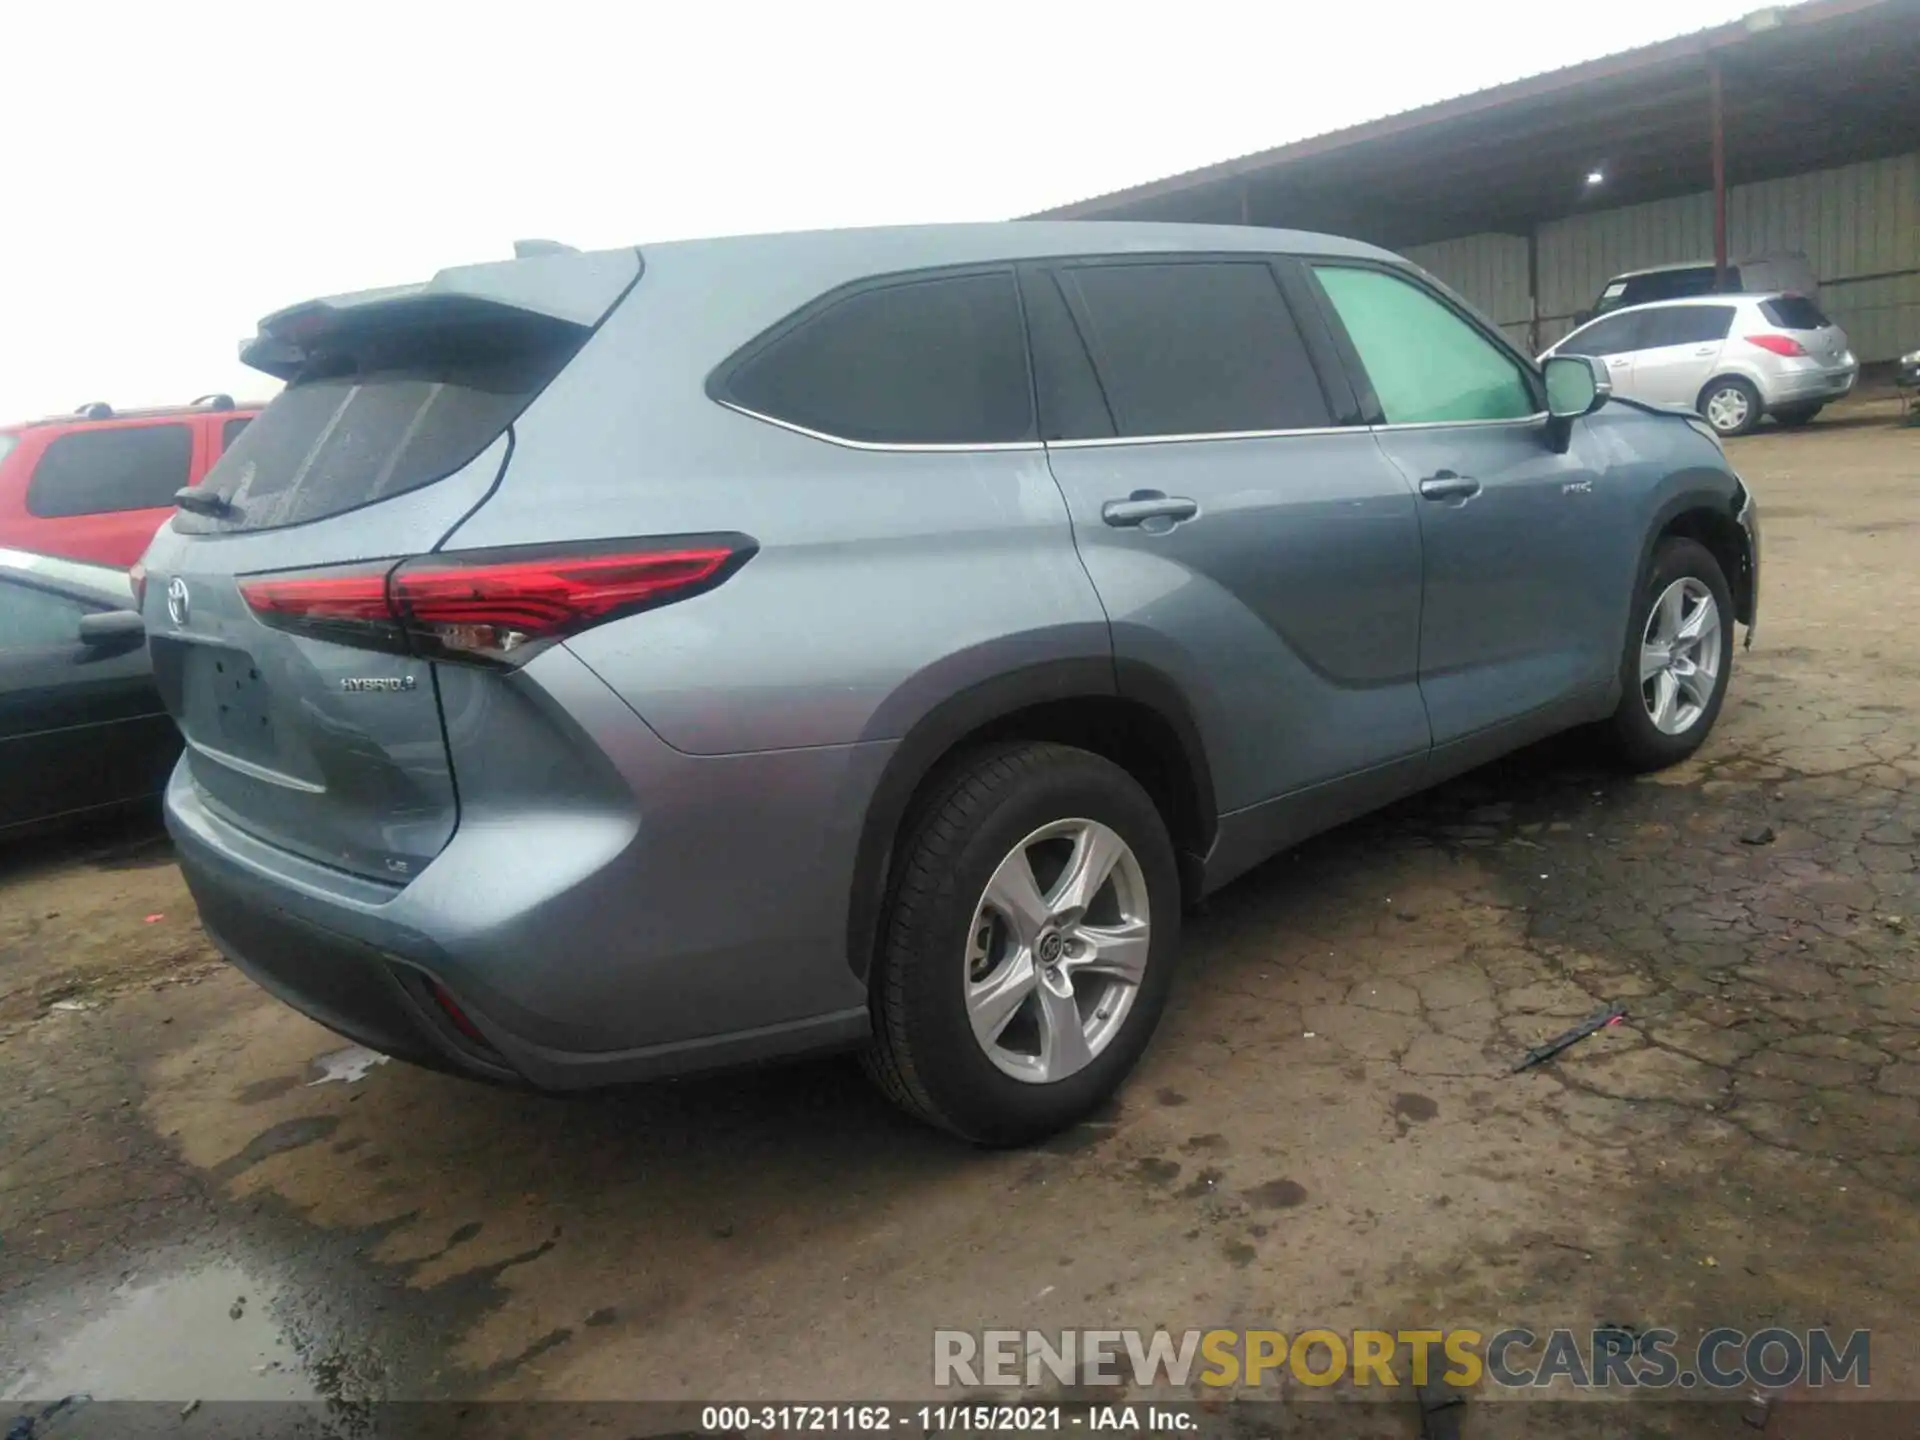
(885, 580)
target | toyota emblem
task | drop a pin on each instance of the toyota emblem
(178, 605)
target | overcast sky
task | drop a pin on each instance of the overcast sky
(172, 171)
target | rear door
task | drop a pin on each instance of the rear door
(1246, 544)
(1678, 352)
(1516, 611)
(310, 716)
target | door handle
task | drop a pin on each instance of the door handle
(1445, 485)
(1144, 505)
(1707, 350)
(1617, 364)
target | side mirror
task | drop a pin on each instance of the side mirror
(112, 629)
(1576, 385)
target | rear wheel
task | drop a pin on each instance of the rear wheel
(1794, 416)
(1730, 405)
(1679, 657)
(1028, 947)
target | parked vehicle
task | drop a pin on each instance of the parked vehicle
(599, 666)
(1733, 358)
(1906, 377)
(1761, 274)
(81, 727)
(96, 484)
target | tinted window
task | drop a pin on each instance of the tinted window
(1072, 404)
(927, 362)
(382, 414)
(1606, 337)
(1195, 349)
(92, 472)
(36, 619)
(1426, 363)
(1794, 312)
(230, 432)
(1675, 285)
(1685, 325)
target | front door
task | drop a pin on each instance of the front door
(1516, 624)
(1261, 557)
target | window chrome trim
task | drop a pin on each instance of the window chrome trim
(1091, 442)
(1512, 422)
(883, 446)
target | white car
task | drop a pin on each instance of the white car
(1733, 358)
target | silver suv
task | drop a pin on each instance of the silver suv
(595, 666)
(1733, 358)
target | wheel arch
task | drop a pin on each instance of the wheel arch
(1709, 518)
(1128, 712)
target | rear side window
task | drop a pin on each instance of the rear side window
(940, 361)
(230, 432)
(97, 472)
(36, 619)
(1201, 348)
(1794, 312)
(1686, 325)
(381, 415)
(1427, 364)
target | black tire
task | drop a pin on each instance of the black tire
(1639, 743)
(1794, 416)
(924, 1054)
(1734, 384)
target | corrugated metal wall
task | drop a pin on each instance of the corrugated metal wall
(1859, 226)
(1489, 270)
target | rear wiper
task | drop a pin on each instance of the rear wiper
(202, 502)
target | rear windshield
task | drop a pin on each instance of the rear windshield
(1794, 312)
(380, 415)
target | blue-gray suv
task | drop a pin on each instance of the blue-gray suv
(596, 666)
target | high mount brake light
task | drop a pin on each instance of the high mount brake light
(494, 607)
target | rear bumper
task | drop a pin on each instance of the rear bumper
(587, 946)
(1798, 387)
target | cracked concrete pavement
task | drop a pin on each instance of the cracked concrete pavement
(1325, 1131)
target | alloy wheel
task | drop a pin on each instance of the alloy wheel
(1680, 656)
(1057, 950)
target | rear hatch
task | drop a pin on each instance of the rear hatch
(1803, 321)
(308, 702)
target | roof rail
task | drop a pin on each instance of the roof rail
(94, 410)
(214, 402)
(524, 249)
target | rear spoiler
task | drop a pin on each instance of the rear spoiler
(566, 286)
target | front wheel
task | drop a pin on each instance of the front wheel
(1029, 944)
(1730, 405)
(1678, 660)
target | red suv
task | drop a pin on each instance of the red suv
(96, 484)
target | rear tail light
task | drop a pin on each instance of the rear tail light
(1778, 344)
(492, 607)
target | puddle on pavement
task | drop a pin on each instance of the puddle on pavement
(204, 1334)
